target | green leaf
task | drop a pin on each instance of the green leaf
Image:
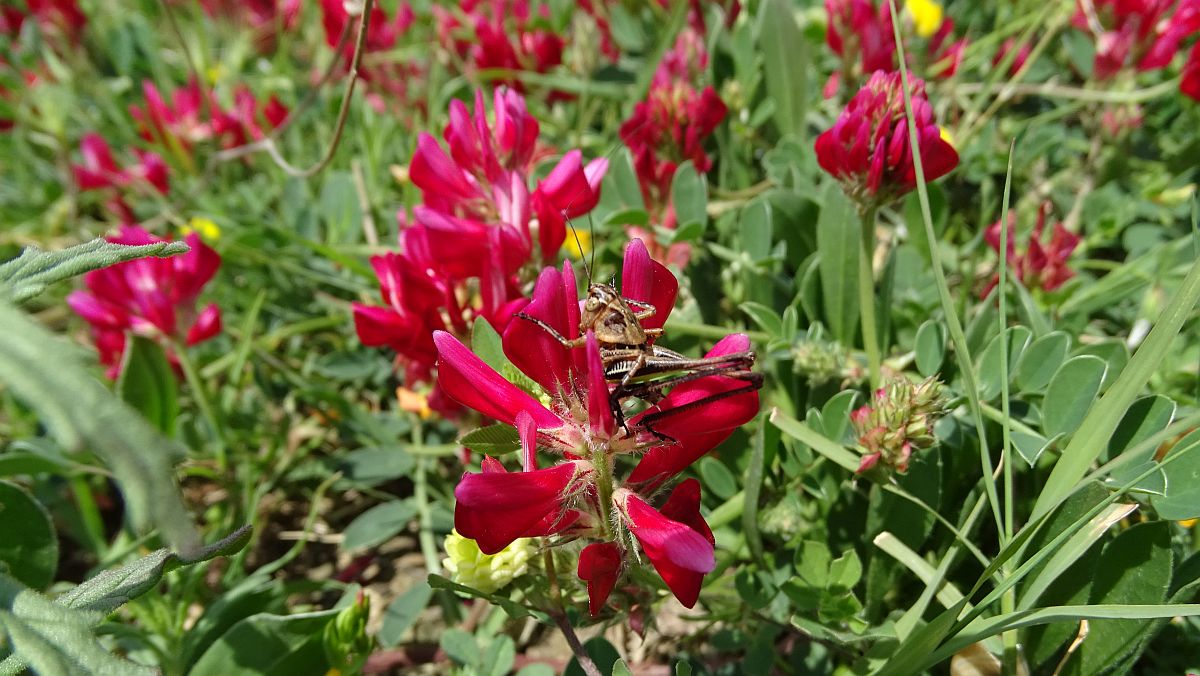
(270, 645)
(378, 524)
(40, 369)
(603, 654)
(111, 589)
(403, 613)
(930, 347)
(1145, 418)
(1029, 445)
(717, 477)
(339, 208)
(619, 668)
(1017, 339)
(501, 653)
(689, 195)
(514, 610)
(1104, 417)
(30, 273)
(492, 440)
(148, 384)
(1071, 393)
(835, 415)
(766, 318)
(487, 344)
(54, 637)
(1041, 361)
(28, 545)
(375, 464)
(1182, 499)
(460, 646)
(1134, 569)
(785, 65)
(837, 244)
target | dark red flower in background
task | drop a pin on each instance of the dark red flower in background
(670, 128)
(500, 34)
(152, 297)
(868, 148)
(388, 79)
(1142, 34)
(1019, 59)
(195, 116)
(1189, 84)
(1040, 266)
(99, 171)
(572, 418)
(266, 18)
(63, 16)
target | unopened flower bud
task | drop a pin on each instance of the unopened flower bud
(487, 573)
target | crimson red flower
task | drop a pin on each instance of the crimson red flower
(1190, 82)
(473, 232)
(64, 16)
(1019, 60)
(266, 18)
(868, 149)
(1040, 266)
(195, 116)
(500, 34)
(99, 171)
(385, 77)
(1144, 34)
(152, 297)
(572, 417)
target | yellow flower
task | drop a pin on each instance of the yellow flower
(413, 402)
(926, 14)
(580, 248)
(1188, 523)
(947, 137)
(485, 572)
(205, 227)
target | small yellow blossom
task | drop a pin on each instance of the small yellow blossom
(413, 402)
(1188, 523)
(947, 137)
(485, 572)
(214, 74)
(926, 14)
(205, 227)
(578, 248)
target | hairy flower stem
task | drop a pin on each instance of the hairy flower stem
(200, 395)
(866, 296)
(602, 462)
(560, 616)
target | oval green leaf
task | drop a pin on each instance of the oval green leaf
(1039, 363)
(1071, 393)
(930, 347)
(28, 545)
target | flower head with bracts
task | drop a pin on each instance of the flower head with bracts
(567, 412)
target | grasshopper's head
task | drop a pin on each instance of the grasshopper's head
(607, 315)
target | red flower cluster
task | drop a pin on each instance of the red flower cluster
(152, 297)
(862, 34)
(390, 78)
(1190, 83)
(600, 12)
(62, 15)
(99, 171)
(474, 224)
(1040, 266)
(195, 116)
(500, 34)
(1144, 34)
(265, 17)
(868, 147)
(669, 128)
(577, 496)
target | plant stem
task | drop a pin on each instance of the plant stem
(421, 496)
(866, 296)
(560, 616)
(603, 466)
(200, 395)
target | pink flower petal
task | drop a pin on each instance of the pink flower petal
(495, 508)
(679, 554)
(472, 383)
(599, 566)
(600, 415)
(532, 348)
(646, 280)
(207, 325)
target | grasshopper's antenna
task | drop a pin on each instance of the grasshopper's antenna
(587, 268)
(592, 241)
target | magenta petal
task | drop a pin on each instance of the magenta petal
(96, 312)
(207, 325)
(472, 383)
(527, 431)
(379, 326)
(532, 348)
(599, 566)
(600, 415)
(683, 505)
(679, 554)
(661, 463)
(496, 508)
(645, 279)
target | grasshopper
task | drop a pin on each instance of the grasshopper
(638, 367)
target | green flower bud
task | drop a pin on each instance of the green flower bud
(486, 572)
